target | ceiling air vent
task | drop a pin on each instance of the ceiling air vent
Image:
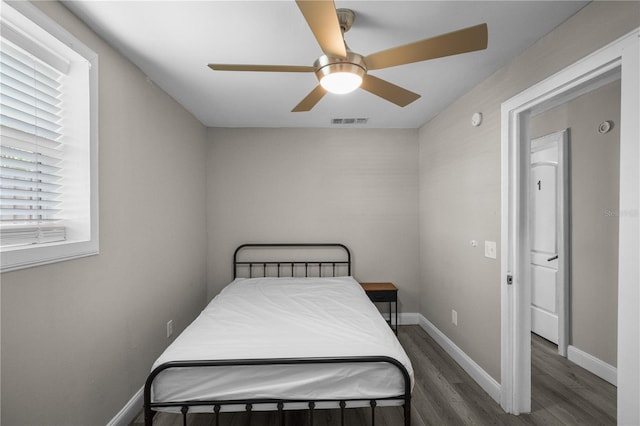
(347, 121)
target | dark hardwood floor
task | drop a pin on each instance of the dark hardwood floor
(562, 394)
(565, 392)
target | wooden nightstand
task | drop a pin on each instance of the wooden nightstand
(384, 292)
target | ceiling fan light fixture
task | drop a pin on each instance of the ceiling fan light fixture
(340, 75)
(341, 82)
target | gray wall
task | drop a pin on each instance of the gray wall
(358, 187)
(595, 187)
(460, 182)
(78, 337)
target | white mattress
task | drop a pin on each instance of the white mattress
(284, 318)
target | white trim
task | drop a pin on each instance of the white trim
(404, 318)
(564, 245)
(477, 373)
(129, 412)
(628, 363)
(593, 365)
(620, 56)
(408, 318)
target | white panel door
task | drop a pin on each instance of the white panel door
(544, 239)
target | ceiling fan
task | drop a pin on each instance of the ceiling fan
(341, 70)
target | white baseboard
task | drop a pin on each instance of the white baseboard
(129, 411)
(486, 382)
(404, 318)
(592, 364)
(408, 318)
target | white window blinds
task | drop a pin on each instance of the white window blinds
(30, 149)
(48, 141)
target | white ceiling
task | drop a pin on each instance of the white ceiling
(173, 41)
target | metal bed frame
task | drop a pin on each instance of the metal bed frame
(282, 267)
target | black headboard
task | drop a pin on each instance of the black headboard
(266, 260)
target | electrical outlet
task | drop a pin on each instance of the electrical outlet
(169, 328)
(454, 317)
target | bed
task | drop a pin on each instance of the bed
(285, 334)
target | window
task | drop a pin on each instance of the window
(48, 141)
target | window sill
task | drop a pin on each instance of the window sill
(30, 256)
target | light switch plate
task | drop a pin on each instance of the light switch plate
(490, 249)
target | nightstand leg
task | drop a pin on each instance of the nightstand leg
(396, 317)
(394, 327)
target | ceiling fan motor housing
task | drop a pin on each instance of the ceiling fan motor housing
(353, 63)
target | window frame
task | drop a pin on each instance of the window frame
(21, 257)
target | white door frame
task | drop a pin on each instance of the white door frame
(620, 59)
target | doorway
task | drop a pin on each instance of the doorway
(590, 198)
(618, 60)
(549, 227)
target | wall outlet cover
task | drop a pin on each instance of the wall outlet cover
(490, 249)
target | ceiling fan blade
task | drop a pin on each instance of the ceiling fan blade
(322, 18)
(389, 91)
(310, 100)
(268, 68)
(461, 41)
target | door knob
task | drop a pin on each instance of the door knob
(552, 258)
